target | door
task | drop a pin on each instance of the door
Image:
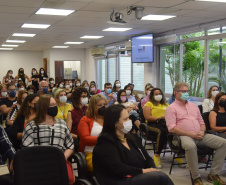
(59, 71)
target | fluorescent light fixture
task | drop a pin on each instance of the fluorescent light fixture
(52, 11)
(16, 41)
(218, 1)
(23, 35)
(6, 48)
(40, 26)
(157, 17)
(60, 46)
(9, 45)
(73, 42)
(91, 37)
(145, 37)
(117, 29)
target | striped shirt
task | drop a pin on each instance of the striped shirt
(57, 135)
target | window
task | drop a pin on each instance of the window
(138, 76)
(124, 68)
(101, 74)
(193, 35)
(111, 69)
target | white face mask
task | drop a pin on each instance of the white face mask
(10, 74)
(4, 94)
(127, 126)
(214, 93)
(128, 92)
(158, 97)
(63, 99)
(34, 72)
(67, 86)
(71, 84)
(84, 101)
(21, 89)
(42, 72)
(52, 82)
(78, 84)
(61, 85)
(118, 85)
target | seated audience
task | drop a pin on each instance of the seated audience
(62, 105)
(208, 103)
(20, 86)
(134, 93)
(90, 127)
(80, 103)
(184, 119)
(131, 109)
(118, 158)
(43, 88)
(25, 114)
(51, 84)
(172, 98)
(111, 97)
(68, 91)
(154, 112)
(93, 89)
(148, 90)
(3, 92)
(217, 117)
(85, 84)
(129, 95)
(59, 86)
(31, 89)
(45, 130)
(116, 87)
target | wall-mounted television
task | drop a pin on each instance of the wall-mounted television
(142, 49)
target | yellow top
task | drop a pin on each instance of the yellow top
(63, 111)
(157, 110)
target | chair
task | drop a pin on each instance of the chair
(205, 117)
(200, 108)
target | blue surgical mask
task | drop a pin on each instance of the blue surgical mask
(87, 88)
(184, 96)
(45, 90)
(109, 91)
(12, 93)
(16, 84)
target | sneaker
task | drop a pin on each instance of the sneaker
(215, 178)
(198, 181)
(157, 162)
(180, 162)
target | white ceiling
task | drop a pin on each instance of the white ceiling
(91, 16)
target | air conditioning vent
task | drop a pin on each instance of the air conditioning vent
(98, 51)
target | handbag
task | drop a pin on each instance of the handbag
(70, 172)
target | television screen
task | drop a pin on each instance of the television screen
(142, 48)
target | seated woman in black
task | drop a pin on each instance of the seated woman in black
(217, 117)
(118, 158)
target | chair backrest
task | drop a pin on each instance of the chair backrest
(81, 165)
(205, 117)
(40, 165)
(200, 108)
(142, 118)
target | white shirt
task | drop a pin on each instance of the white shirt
(96, 130)
(207, 105)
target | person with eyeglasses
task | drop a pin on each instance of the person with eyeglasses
(111, 97)
(184, 119)
(43, 88)
(208, 103)
(80, 102)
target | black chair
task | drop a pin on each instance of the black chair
(205, 117)
(200, 108)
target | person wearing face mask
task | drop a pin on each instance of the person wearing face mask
(20, 86)
(62, 105)
(85, 84)
(43, 88)
(129, 95)
(118, 157)
(42, 75)
(8, 78)
(77, 83)
(68, 91)
(111, 97)
(217, 117)
(31, 89)
(93, 89)
(184, 119)
(154, 114)
(51, 84)
(46, 130)
(116, 87)
(21, 77)
(131, 108)
(208, 103)
(134, 93)
(34, 78)
(148, 90)
(3, 92)
(70, 83)
(90, 126)
(79, 100)
(59, 86)
(26, 113)
(7, 102)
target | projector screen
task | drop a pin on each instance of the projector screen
(142, 49)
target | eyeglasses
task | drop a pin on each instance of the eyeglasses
(184, 91)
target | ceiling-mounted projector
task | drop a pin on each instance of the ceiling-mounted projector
(118, 19)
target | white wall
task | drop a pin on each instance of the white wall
(17, 59)
(90, 67)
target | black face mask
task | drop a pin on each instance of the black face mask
(52, 111)
(101, 111)
(222, 103)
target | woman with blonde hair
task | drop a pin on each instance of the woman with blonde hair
(208, 103)
(62, 105)
(90, 127)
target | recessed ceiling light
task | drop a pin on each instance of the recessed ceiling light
(9, 45)
(219, 1)
(157, 17)
(52, 11)
(23, 35)
(117, 29)
(60, 46)
(40, 26)
(91, 37)
(73, 42)
(6, 48)
(16, 41)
